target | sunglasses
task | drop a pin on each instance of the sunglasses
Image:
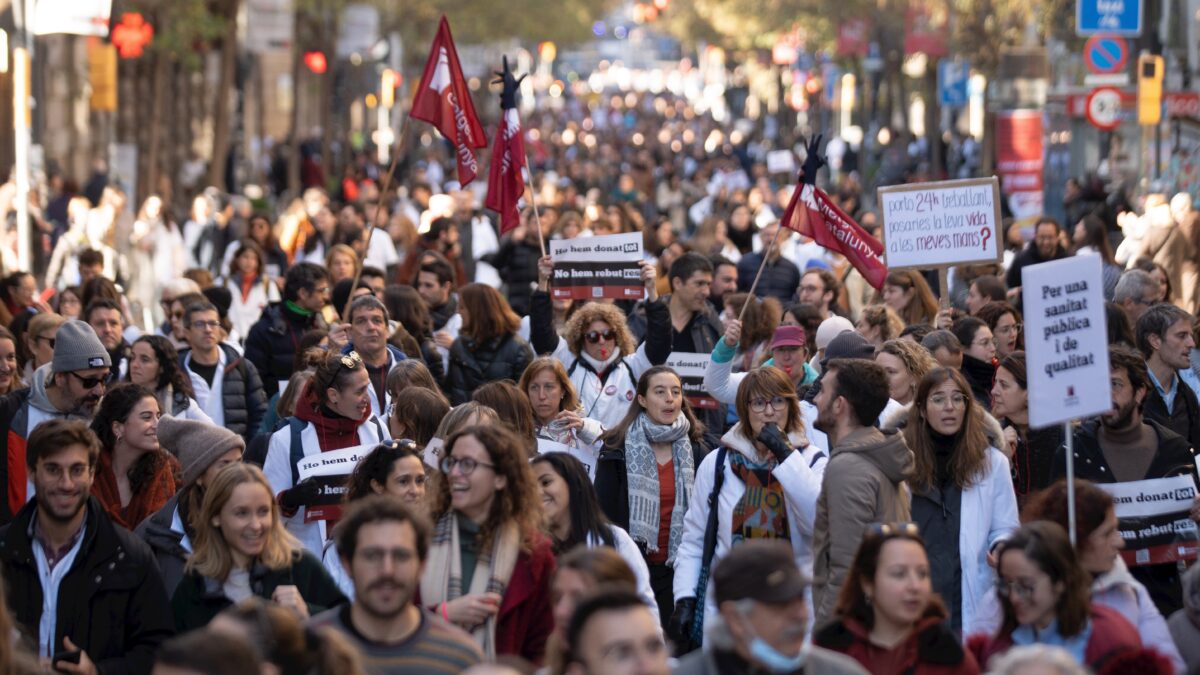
(349, 361)
(49, 340)
(893, 530)
(401, 445)
(90, 382)
(594, 336)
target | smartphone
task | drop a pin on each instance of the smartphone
(69, 657)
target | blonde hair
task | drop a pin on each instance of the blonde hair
(593, 311)
(211, 556)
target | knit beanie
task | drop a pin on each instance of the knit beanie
(196, 444)
(76, 347)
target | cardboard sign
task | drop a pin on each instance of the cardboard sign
(1154, 517)
(941, 224)
(1066, 340)
(589, 268)
(330, 470)
(690, 368)
(586, 456)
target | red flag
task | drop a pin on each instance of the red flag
(506, 183)
(443, 100)
(812, 213)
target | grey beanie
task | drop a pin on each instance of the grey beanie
(196, 444)
(848, 345)
(76, 347)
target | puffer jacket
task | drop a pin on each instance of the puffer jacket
(242, 395)
(864, 484)
(471, 365)
(273, 340)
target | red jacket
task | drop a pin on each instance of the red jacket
(1111, 635)
(929, 650)
(526, 616)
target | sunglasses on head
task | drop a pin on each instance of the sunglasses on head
(594, 336)
(888, 530)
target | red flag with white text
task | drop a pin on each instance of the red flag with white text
(506, 183)
(813, 214)
(443, 100)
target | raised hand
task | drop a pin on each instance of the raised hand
(813, 162)
(510, 84)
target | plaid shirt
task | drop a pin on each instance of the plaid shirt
(53, 556)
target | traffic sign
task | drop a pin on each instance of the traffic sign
(952, 82)
(1104, 108)
(1115, 17)
(1105, 54)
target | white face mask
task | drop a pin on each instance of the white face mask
(772, 659)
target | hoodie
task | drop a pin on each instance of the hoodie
(864, 484)
(24, 410)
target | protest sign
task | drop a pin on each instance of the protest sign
(586, 456)
(1066, 340)
(941, 224)
(433, 453)
(588, 268)
(690, 368)
(781, 161)
(330, 470)
(1154, 518)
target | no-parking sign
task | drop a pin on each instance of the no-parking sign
(1105, 54)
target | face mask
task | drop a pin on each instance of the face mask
(773, 660)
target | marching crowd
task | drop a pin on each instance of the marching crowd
(854, 486)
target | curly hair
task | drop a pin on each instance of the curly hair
(578, 324)
(518, 502)
(169, 370)
(916, 359)
(117, 406)
(885, 318)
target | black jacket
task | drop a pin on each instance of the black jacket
(705, 329)
(198, 599)
(981, 375)
(1174, 458)
(242, 394)
(111, 602)
(501, 358)
(779, 278)
(612, 482)
(272, 343)
(1183, 419)
(165, 543)
(1028, 256)
(516, 261)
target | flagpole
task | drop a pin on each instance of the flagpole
(537, 218)
(370, 229)
(761, 267)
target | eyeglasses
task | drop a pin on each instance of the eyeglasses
(955, 400)
(595, 336)
(1023, 590)
(205, 325)
(760, 404)
(1145, 302)
(893, 530)
(1008, 330)
(49, 340)
(90, 382)
(466, 465)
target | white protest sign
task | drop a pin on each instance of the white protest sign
(940, 224)
(433, 453)
(781, 161)
(588, 268)
(690, 367)
(330, 470)
(1154, 518)
(586, 456)
(1066, 340)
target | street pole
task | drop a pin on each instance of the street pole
(22, 57)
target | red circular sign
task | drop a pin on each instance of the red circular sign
(1103, 108)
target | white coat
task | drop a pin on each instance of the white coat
(800, 477)
(606, 401)
(244, 313)
(278, 470)
(632, 555)
(989, 514)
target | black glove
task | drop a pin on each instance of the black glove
(776, 442)
(510, 84)
(304, 493)
(813, 162)
(680, 628)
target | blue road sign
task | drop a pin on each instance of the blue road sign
(1115, 17)
(952, 82)
(1105, 54)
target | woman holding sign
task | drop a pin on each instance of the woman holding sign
(599, 353)
(557, 414)
(332, 413)
(242, 550)
(962, 496)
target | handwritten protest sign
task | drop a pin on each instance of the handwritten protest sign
(589, 268)
(586, 456)
(690, 368)
(1066, 340)
(330, 470)
(1154, 517)
(941, 224)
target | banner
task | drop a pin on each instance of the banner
(72, 17)
(939, 224)
(587, 457)
(1019, 161)
(1066, 340)
(587, 268)
(690, 368)
(1154, 517)
(330, 470)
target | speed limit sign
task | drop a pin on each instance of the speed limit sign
(1104, 108)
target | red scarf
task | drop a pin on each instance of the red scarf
(334, 432)
(247, 285)
(144, 502)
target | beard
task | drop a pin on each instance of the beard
(1120, 418)
(60, 514)
(377, 607)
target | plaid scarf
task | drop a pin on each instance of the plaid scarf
(761, 513)
(641, 471)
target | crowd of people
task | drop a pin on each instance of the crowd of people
(355, 433)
